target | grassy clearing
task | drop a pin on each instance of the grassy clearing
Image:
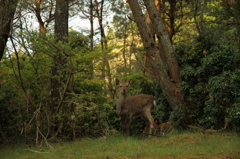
(183, 146)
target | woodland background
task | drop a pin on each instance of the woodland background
(59, 83)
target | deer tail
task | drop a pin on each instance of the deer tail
(154, 103)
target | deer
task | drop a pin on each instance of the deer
(134, 106)
(165, 127)
(161, 128)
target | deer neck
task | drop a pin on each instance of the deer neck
(120, 101)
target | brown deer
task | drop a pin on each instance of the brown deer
(165, 127)
(161, 128)
(138, 105)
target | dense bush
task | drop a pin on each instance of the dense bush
(26, 102)
(210, 84)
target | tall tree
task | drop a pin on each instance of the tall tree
(106, 72)
(165, 65)
(123, 26)
(7, 10)
(59, 58)
(91, 22)
(87, 11)
(43, 11)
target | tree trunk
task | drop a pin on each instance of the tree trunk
(42, 28)
(171, 27)
(59, 58)
(91, 23)
(7, 11)
(61, 19)
(166, 66)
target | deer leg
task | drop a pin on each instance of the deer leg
(145, 128)
(123, 124)
(126, 122)
(149, 121)
(150, 125)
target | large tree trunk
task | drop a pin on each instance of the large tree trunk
(61, 19)
(7, 10)
(59, 58)
(59, 80)
(165, 65)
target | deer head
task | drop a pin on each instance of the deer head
(123, 86)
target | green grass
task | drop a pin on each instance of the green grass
(183, 146)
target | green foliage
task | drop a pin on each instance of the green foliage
(121, 22)
(162, 111)
(234, 116)
(26, 100)
(210, 80)
(178, 116)
(138, 83)
(92, 111)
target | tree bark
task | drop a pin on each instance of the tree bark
(91, 23)
(61, 19)
(166, 67)
(59, 58)
(7, 11)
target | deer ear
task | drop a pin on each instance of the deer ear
(117, 81)
(130, 81)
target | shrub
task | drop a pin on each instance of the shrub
(210, 80)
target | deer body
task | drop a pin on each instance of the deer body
(138, 105)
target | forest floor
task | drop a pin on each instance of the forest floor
(172, 146)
